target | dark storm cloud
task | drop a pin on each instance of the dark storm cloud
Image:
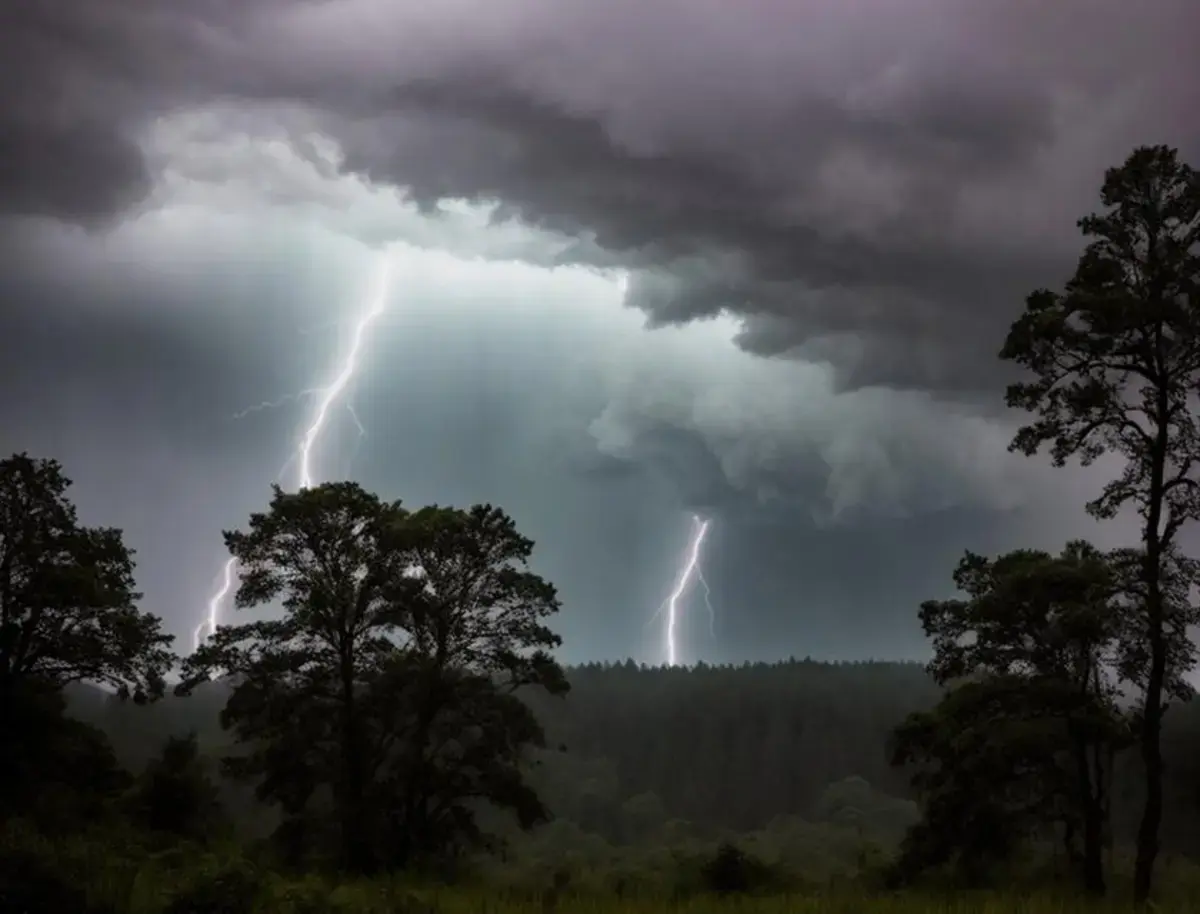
(877, 184)
(78, 80)
(900, 176)
(82, 80)
(872, 186)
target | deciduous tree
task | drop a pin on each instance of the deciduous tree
(1030, 653)
(476, 634)
(390, 676)
(175, 796)
(68, 608)
(1115, 359)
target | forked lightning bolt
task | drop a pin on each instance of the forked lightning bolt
(327, 397)
(690, 571)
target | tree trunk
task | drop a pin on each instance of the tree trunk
(354, 832)
(1151, 746)
(1091, 801)
(415, 795)
(1151, 730)
(1093, 850)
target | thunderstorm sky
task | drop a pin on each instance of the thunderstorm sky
(828, 214)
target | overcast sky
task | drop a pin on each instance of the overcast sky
(827, 213)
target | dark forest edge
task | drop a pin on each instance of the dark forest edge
(403, 724)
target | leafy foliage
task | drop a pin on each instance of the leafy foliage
(53, 768)
(1032, 712)
(727, 871)
(175, 796)
(31, 885)
(67, 594)
(392, 675)
(231, 889)
(1116, 363)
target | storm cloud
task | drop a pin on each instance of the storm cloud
(827, 215)
(873, 184)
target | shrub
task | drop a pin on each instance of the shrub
(729, 870)
(29, 883)
(308, 896)
(231, 889)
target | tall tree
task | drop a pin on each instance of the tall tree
(1116, 362)
(175, 797)
(1032, 710)
(67, 600)
(477, 634)
(327, 554)
(390, 675)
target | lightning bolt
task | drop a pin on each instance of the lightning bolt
(690, 571)
(328, 396)
(274, 404)
(214, 605)
(712, 613)
(332, 392)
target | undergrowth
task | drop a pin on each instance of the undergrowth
(118, 873)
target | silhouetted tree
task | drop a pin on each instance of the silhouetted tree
(175, 796)
(1031, 712)
(1116, 362)
(390, 677)
(67, 598)
(54, 769)
(728, 870)
(476, 634)
(67, 615)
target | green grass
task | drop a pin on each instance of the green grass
(117, 873)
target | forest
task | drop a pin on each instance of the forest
(384, 725)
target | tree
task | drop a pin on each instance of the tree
(1032, 711)
(476, 636)
(390, 676)
(1116, 361)
(67, 598)
(175, 795)
(55, 770)
(971, 738)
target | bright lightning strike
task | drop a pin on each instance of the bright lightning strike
(328, 396)
(712, 613)
(690, 571)
(214, 605)
(349, 367)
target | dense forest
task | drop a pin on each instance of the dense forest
(705, 752)
(393, 731)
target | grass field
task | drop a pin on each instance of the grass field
(111, 874)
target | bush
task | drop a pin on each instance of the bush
(228, 890)
(30, 884)
(308, 896)
(730, 870)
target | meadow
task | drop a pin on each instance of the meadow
(118, 872)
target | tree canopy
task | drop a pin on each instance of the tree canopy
(1115, 359)
(1030, 656)
(68, 608)
(391, 675)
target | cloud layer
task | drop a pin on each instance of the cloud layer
(829, 211)
(875, 184)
